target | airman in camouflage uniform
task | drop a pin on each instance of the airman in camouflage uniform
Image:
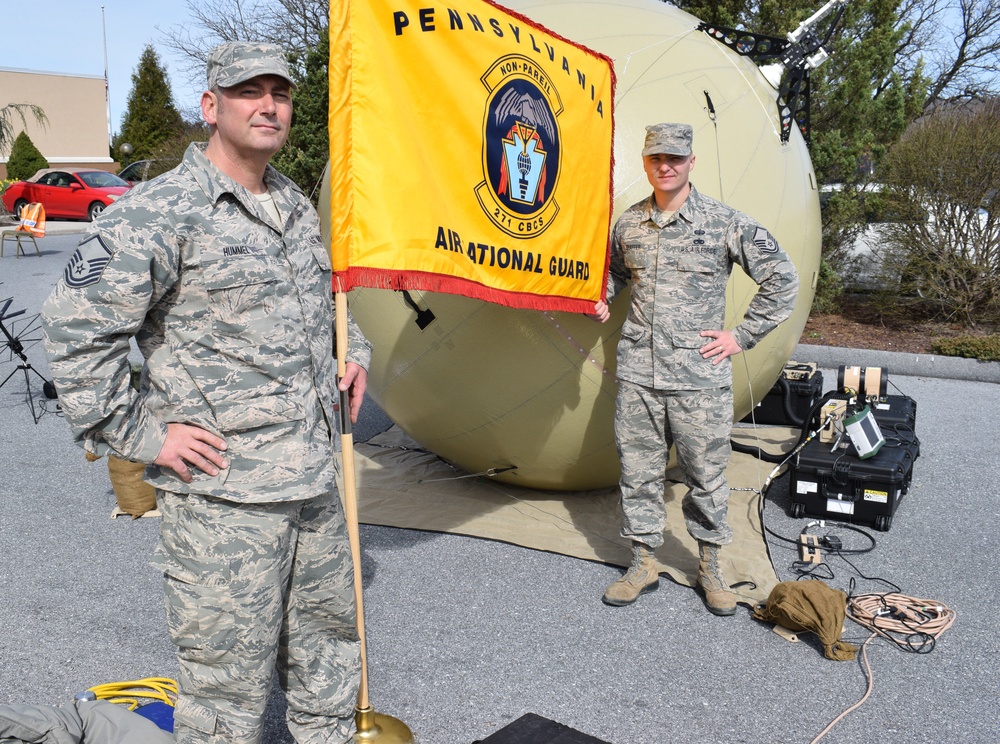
(677, 248)
(218, 272)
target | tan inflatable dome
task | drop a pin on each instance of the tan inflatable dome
(532, 394)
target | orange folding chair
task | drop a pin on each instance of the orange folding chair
(30, 226)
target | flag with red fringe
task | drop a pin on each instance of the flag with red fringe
(470, 153)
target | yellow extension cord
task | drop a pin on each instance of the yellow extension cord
(163, 689)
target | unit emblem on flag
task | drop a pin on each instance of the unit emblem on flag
(500, 134)
(521, 147)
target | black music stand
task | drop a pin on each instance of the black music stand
(16, 347)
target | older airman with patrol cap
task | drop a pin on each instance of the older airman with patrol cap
(677, 248)
(218, 272)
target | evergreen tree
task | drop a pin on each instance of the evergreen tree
(150, 115)
(862, 104)
(305, 154)
(170, 153)
(861, 100)
(25, 159)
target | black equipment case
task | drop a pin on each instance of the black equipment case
(896, 416)
(840, 486)
(790, 399)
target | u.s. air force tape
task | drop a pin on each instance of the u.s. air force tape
(88, 263)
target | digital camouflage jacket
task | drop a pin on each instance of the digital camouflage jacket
(233, 317)
(678, 267)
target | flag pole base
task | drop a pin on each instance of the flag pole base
(379, 727)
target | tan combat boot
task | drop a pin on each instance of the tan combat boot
(718, 598)
(641, 577)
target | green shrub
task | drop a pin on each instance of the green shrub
(25, 159)
(3, 187)
(984, 348)
(829, 290)
(941, 180)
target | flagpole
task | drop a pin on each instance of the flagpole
(371, 726)
(107, 84)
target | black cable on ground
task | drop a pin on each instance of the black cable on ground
(912, 624)
(779, 457)
(754, 451)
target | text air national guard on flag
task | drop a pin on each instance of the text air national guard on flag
(470, 153)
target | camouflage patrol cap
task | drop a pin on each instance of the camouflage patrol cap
(236, 62)
(668, 139)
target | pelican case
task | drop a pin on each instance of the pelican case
(788, 402)
(896, 415)
(838, 485)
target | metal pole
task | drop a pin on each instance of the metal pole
(107, 86)
(372, 726)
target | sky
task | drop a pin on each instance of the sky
(68, 36)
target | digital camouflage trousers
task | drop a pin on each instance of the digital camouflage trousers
(254, 588)
(699, 423)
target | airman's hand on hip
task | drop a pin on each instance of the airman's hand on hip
(189, 447)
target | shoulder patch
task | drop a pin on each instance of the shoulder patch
(764, 241)
(87, 263)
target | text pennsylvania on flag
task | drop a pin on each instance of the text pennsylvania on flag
(470, 152)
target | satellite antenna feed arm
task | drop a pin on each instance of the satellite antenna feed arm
(807, 50)
(799, 52)
(809, 23)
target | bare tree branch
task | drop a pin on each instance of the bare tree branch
(21, 111)
(965, 63)
(295, 25)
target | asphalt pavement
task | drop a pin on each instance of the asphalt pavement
(466, 635)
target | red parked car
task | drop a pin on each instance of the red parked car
(66, 194)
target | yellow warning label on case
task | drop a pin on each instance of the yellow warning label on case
(880, 496)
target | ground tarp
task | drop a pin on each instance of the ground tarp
(401, 485)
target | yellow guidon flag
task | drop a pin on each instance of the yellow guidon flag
(470, 153)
